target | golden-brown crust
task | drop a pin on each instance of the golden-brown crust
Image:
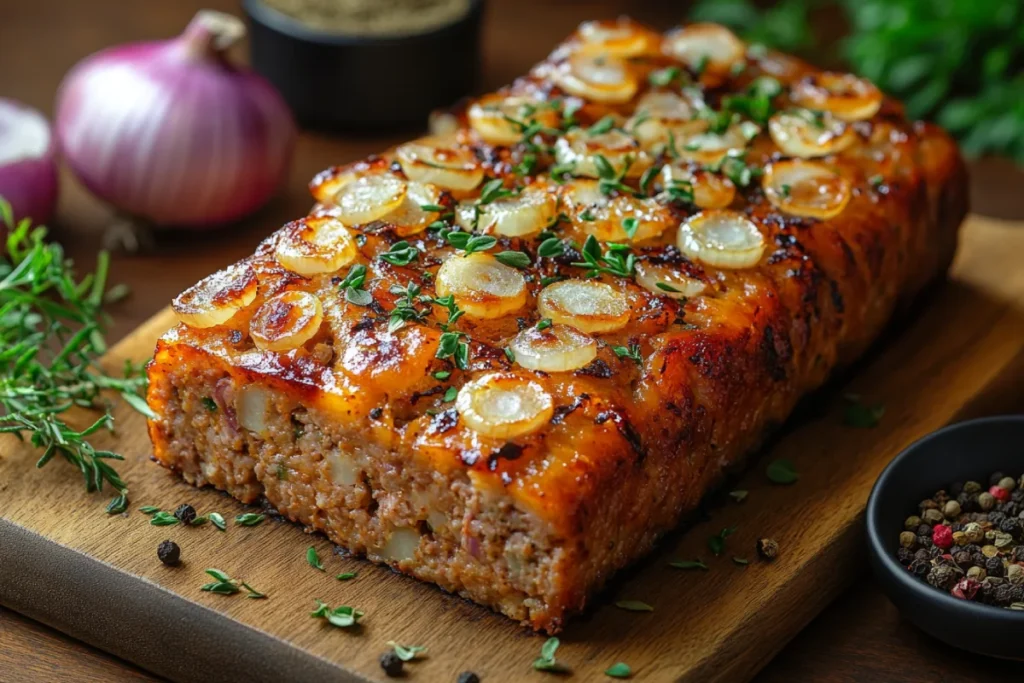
(630, 446)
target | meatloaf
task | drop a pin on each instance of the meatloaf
(505, 358)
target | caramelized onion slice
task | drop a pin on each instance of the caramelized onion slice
(504, 406)
(606, 218)
(845, 96)
(215, 299)
(601, 78)
(410, 217)
(588, 306)
(806, 188)
(707, 147)
(520, 215)
(620, 38)
(501, 120)
(315, 245)
(369, 197)
(721, 238)
(482, 286)
(667, 281)
(662, 116)
(710, 190)
(803, 133)
(444, 165)
(709, 46)
(558, 348)
(581, 149)
(286, 321)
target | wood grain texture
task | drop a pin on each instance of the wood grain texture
(953, 352)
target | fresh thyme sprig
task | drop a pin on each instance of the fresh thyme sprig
(51, 339)
(616, 260)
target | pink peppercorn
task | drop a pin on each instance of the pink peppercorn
(942, 536)
(965, 589)
(999, 493)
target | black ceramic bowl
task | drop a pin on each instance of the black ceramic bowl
(339, 82)
(966, 451)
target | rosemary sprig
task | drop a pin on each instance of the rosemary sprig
(51, 339)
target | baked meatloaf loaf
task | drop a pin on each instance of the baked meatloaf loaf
(505, 358)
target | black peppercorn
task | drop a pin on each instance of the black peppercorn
(965, 502)
(468, 677)
(920, 568)
(925, 541)
(767, 548)
(996, 518)
(391, 663)
(943, 577)
(924, 530)
(963, 560)
(169, 553)
(1011, 509)
(1012, 526)
(922, 554)
(979, 559)
(905, 556)
(1017, 496)
(994, 566)
(935, 551)
(1018, 554)
(1003, 594)
(1017, 593)
(185, 513)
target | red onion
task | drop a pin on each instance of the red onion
(28, 165)
(171, 132)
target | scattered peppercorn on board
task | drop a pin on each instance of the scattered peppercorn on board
(65, 562)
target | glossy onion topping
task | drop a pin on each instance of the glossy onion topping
(581, 149)
(286, 321)
(806, 188)
(450, 167)
(504, 406)
(662, 116)
(369, 197)
(710, 190)
(619, 39)
(215, 299)
(588, 306)
(410, 217)
(807, 134)
(482, 286)
(721, 238)
(708, 47)
(845, 96)
(500, 120)
(594, 213)
(600, 78)
(315, 245)
(520, 215)
(664, 280)
(558, 348)
(707, 147)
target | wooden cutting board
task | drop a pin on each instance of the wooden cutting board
(65, 562)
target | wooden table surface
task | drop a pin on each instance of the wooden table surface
(859, 638)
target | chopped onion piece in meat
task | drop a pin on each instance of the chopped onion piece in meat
(806, 188)
(589, 306)
(500, 120)
(315, 245)
(215, 299)
(286, 321)
(594, 213)
(483, 287)
(706, 147)
(410, 217)
(504, 406)
(557, 348)
(520, 215)
(721, 238)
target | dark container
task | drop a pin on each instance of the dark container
(966, 451)
(337, 82)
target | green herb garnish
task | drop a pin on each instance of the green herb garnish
(225, 585)
(250, 519)
(313, 559)
(217, 520)
(634, 606)
(739, 495)
(857, 414)
(346, 576)
(688, 564)
(632, 352)
(782, 472)
(717, 542)
(516, 259)
(616, 260)
(543, 323)
(342, 616)
(547, 661)
(209, 404)
(400, 254)
(119, 504)
(450, 394)
(407, 653)
(164, 519)
(619, 670)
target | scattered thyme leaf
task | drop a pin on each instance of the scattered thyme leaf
(782, 471)
(250, 519)
(742, 561)
(688, 564)
(547, 661)
(717, 542)
(313, 559)
(619, 670)
(860, 415)
(738, 495)
(342, 616)
(163, 518)
(346, 576)
(119, 504)
(407, 653)
(634, 606)
(217, 520)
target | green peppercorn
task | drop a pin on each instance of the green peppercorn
(928, 504)
(1007, 483)
(951, 509)
(959, 538)
(912, 522)
(908, 539)
(932, 516)
(976, 573)
(986, 500)
(972, 487)
(974, 532)
(989, 551)
(1015, 573)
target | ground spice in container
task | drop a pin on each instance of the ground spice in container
(968, 540)
(373, 17)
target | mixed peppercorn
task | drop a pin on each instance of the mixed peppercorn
(968, 540)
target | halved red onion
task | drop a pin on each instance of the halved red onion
(28, 166)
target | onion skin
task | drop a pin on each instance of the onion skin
(171, 132)
(28, 182)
